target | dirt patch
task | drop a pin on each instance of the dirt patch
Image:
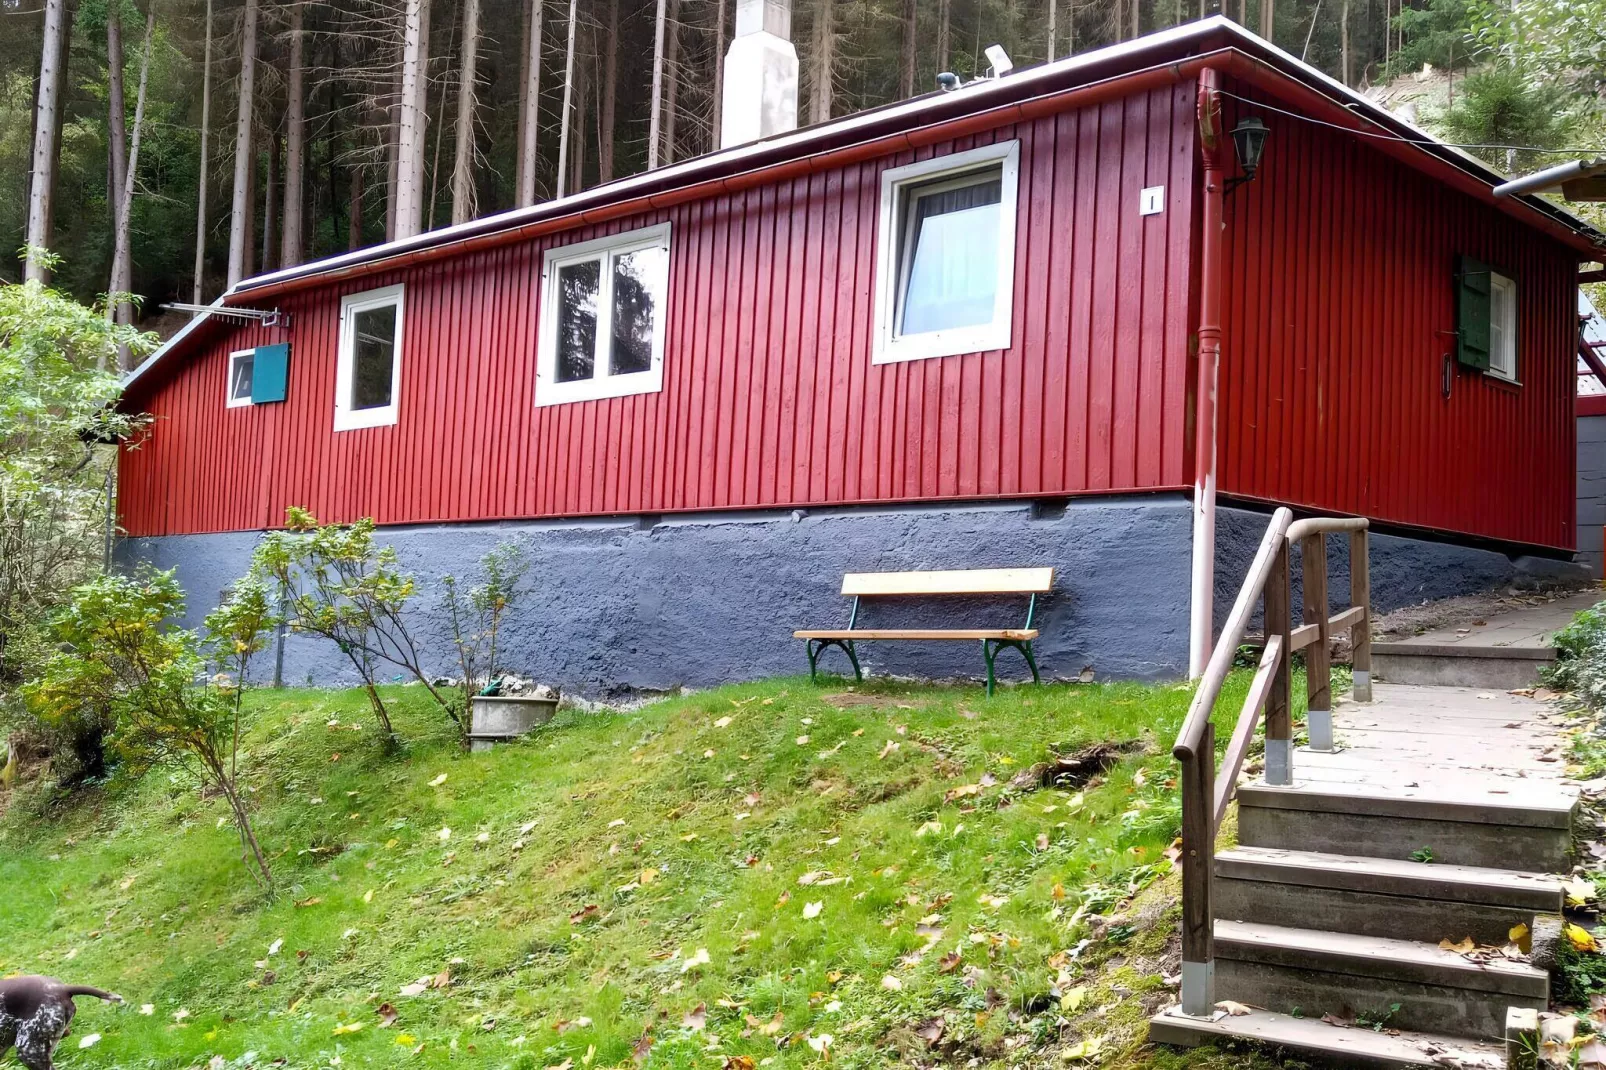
(843, 700)
(1466, 611)
(1074, 770)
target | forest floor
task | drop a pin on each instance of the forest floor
(766, 875)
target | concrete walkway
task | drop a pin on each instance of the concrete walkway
(1505, 648)
(1522, 626)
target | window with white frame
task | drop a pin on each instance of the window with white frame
(368, 376)
(602, 318)
(945, 260)
(241, 365)
(1502, 327)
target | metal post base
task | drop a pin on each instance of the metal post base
(1199, 991)
(1361, 689)
(1319, 726)
(1279, 762)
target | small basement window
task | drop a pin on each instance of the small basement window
(241, 365)
(1502, 327)
(945, 262)
(368, 377)
(602, 318)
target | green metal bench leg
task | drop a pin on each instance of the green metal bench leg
(816, 647)
(989, 651)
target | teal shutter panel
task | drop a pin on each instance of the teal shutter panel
(1472, 312)
(270, 373)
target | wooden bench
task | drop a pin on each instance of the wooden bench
(973, 581)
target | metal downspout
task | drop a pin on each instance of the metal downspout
(1201, 631)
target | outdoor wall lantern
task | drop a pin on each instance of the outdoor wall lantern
(1249, 138)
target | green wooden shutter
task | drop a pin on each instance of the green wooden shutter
(270, 373)
(1472, 312)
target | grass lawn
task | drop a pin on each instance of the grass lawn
(770, 874)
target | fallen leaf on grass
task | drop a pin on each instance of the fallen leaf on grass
(739, 1062)
(1580, 938)
(698, 959)
(822, 1044)
(585, 914)
(891, 983)
(1072, 1001)
(696, 1018)
(89, 1041)
(314, 901)
(812, 910)
(349, 1027)
(641, 1048)
(949, 962)
(964, 791)
(931, 1030)
(438, 781)
(147, 1009)
(723, 722)
(769, 1028)
(1085, 1049)
(387, 1015)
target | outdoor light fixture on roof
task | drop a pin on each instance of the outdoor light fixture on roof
(948, 81)
(1249, 138)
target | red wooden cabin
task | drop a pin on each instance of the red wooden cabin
(966, 329)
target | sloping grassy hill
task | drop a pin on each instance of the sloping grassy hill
(770, 874)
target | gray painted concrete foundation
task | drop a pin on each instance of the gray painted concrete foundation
(628, 605)
(619, 606)
(1405, 571)
(1591, 491)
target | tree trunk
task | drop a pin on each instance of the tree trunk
(655, 115)
(117, 309)
(200, 182)
(609, 94)
(270, 203)
(577, 137)
(530, 128)
(410, 146)
(463, 207)
(123, 257)
(1343, 44)
(719, 73)
(823, 84)
(295, 132)
(568, 101)
(393, 157)
(1268, 19)
(671, 79)
(47, 120)
(116, 120)
(1137, 15)
(354, 213)
(906, 84)
(1052, 31)
(244, 162)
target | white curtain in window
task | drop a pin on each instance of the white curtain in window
(952, 279)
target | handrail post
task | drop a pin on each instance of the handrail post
(1360, 633)
(1198, 870)
(1278, 615)
(1319, 655)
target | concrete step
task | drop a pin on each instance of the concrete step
(1329, 1045)
(1405, 983)
(1515, 825)
(1459, 665)
(1380, 896)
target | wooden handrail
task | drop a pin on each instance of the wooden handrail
(1207, 793)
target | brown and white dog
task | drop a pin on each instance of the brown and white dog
(35, 1013)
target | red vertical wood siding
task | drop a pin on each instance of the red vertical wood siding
(1339, 301)
(769, 396)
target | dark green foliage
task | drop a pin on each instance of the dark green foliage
(1500, 106)
(1436, 33)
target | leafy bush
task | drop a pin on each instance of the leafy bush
(1580, 665)
(337, 585)
(122, 663)
(476, 615)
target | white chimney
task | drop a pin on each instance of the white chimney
(760, 74)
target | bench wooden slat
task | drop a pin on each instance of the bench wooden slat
(920, 633)
(951, 581)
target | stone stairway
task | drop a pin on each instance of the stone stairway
(1327, 924)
